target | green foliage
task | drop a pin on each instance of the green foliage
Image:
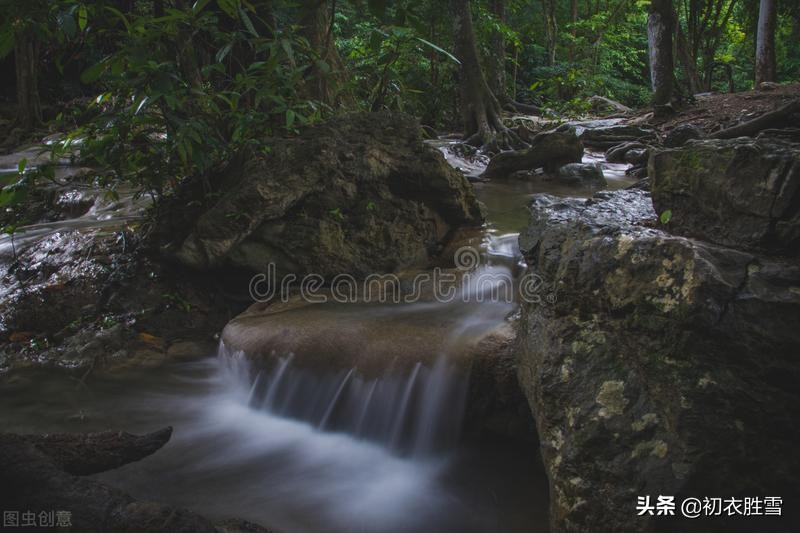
(203, 84)
(604, 53)
(189, 92)
(15, 187)
(397, 58)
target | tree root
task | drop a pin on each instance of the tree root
(781, 117)
(496, 140)
(548, 150)
(519, 107)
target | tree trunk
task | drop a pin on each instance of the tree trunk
(765, 42)
(660, 27)
(186, 50)
(782, 117)
(573, 17)
(26, 58)
(496, 66)
(479, 107)
(685, 56)
(324, 84)
(551, 29)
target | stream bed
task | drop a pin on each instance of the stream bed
(299, 454)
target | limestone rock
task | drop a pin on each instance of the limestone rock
(358, 194)
(740, 192)
(666, 366)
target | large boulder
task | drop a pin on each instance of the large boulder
(91, 300)
(740, 192)
(666, 366)
(548, 150)
(360, 193)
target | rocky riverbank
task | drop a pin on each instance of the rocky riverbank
(665, 364)
(361, 194)
(668, 365)
(125, 291)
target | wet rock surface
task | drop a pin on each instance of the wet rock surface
(741, 192)
(359, 194)
(391, 339)
(582, 174)
(616, 154)
(548, 150)
(42, 473)
(97, 301)
(667, 366)
(680, 135)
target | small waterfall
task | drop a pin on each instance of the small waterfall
(417, 413)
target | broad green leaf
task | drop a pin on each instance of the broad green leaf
(120, 15)
(66, 23)
(248, 23)
(666, 216)
(93, 73)
(229, 7)
(439, 49)
(223, 52)
(83, 17)
(286, 44)
(6, 39)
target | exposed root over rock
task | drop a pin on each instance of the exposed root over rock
(550, 150)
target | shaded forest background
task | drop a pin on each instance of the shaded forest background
(163, 89)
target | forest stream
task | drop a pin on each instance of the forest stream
(302, 450)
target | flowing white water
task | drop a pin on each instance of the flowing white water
(231, 457)
(304, 450)
(414, 413)
(276, 469)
